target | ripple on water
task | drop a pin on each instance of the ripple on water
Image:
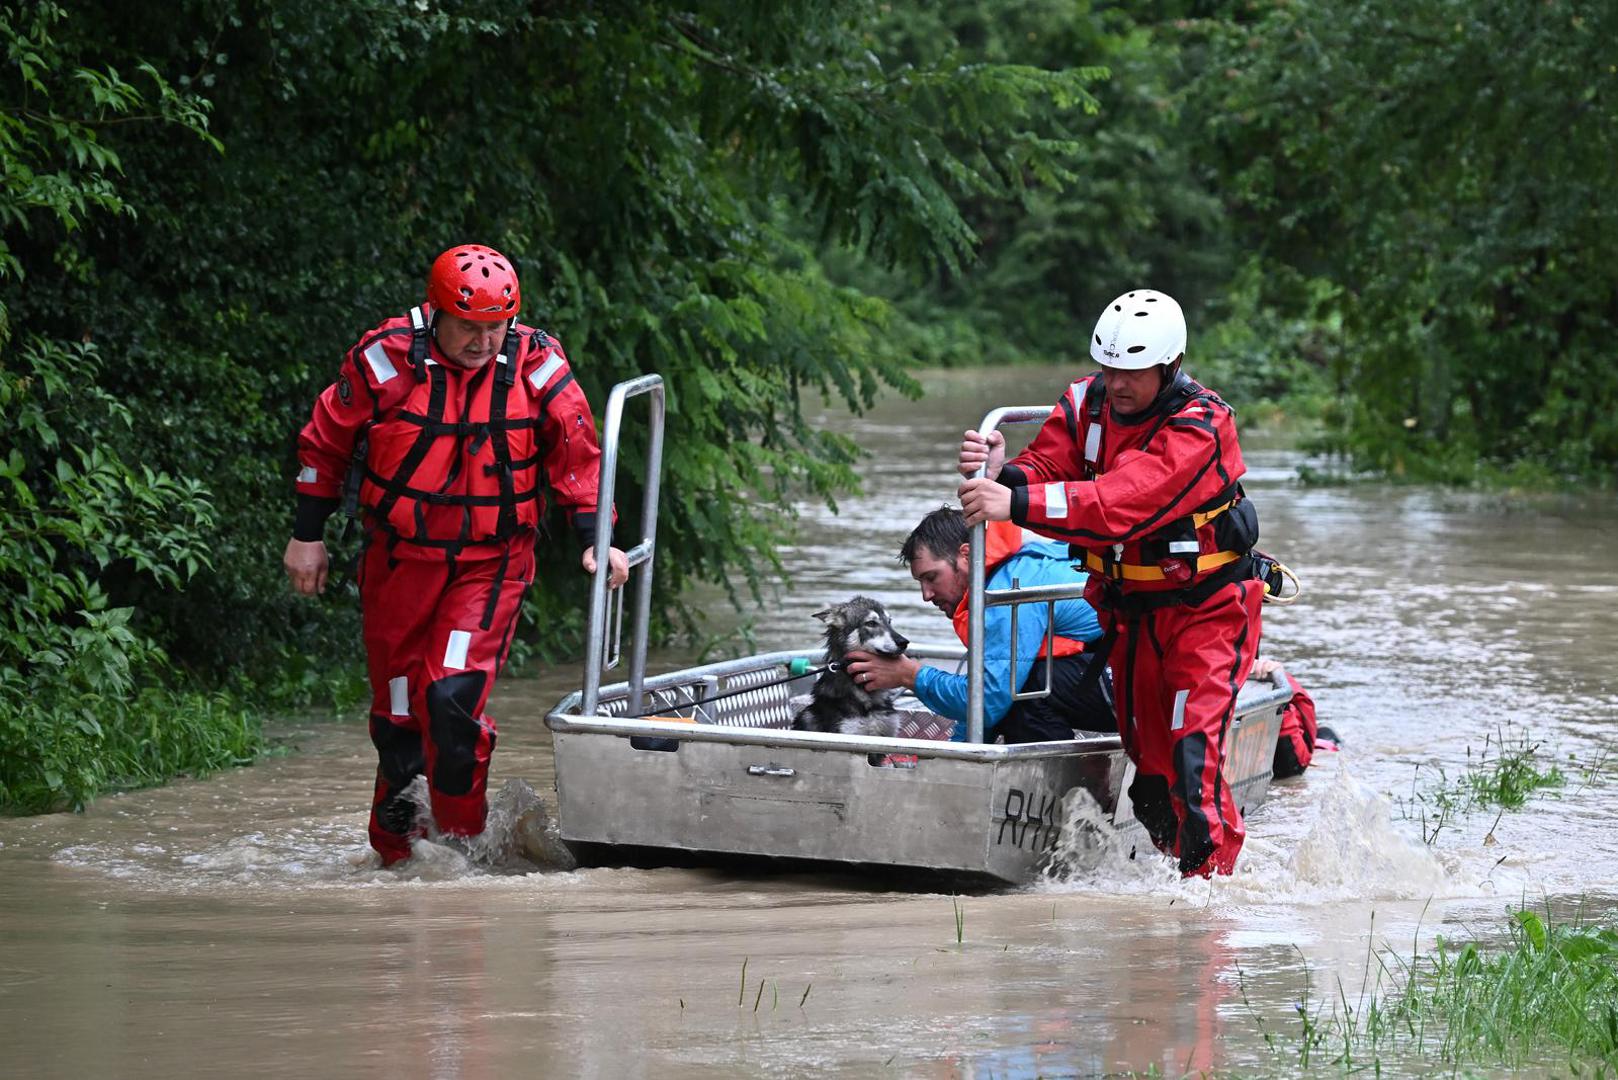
(519, 839)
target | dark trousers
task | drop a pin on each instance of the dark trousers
(1071, 705)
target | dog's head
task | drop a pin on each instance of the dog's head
(861, 623)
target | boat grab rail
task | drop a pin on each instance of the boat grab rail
(563, 722)
(977, 601)
(598, 657)
(568, 718)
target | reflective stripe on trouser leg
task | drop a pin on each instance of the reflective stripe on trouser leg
(396, 604)
(461, 660)
(400, 759)
(1212, 649)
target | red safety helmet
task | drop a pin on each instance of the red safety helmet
(474, 282)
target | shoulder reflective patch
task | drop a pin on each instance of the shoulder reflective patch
(307, 475)
(1184, 547)
(455, 651)
(1179, 709)
(381, 366)
(417, 319)
(1056, 499)
(399, 696)
(543, 373)
(1092, 445)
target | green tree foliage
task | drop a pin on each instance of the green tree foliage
(1129, 208)
(1443, 171)
(662, 173)
(87, 695)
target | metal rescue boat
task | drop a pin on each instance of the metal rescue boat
(704, 760)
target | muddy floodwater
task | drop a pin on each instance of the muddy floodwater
(236, 927)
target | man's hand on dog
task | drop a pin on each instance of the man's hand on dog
(872, 672)
(984, 500)
(617, 565)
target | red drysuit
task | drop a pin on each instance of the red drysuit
(1296, 746)
(447, 464)
(1165, 533)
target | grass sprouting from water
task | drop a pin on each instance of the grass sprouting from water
(1509, 771)
(1549, 992)
(960, 919)
(1510, 768)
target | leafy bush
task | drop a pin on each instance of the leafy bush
(88, 698)
(1468, 240)
(663, 174)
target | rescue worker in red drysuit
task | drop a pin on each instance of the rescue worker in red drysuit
(1301, 735)
(1137, 469)
(446, 422)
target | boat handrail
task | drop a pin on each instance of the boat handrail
(640, 556)
(977, 602)
(563, 722)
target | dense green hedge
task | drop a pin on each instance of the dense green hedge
(203, 209)
(1436, 178)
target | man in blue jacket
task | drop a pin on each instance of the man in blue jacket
(938, 553)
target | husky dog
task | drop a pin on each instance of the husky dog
(838, 704)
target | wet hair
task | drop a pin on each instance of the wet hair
(941, 533)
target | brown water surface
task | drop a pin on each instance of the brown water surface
(236, 926)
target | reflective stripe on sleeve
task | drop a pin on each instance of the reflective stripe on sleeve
(399, 696)
(307, 475)
(381, 366)
(543, 373)
(1055, 500)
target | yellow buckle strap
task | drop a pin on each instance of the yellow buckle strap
(1138, 572)
(1201, 519)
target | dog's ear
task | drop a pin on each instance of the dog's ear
(831, 616)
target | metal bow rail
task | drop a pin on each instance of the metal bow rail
(639, 556)
(979, 599)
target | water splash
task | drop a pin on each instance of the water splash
(520, 838)
(518, 835)
(1340, 843)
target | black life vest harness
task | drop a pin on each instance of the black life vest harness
(1173, 547)
(1235, 530)
(495, 431)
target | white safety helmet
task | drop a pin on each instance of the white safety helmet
(1141, 329)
